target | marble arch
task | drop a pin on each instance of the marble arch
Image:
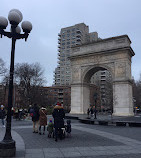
(113, 54)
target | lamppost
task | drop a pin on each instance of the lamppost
(95, 110)
(7, 145)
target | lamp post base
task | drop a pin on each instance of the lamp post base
(7, 149)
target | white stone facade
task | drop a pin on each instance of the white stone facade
(112, 54)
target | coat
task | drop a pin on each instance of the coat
(2, 114)
(58, 115)
(37, 115)
(43, 117)
(50, 127)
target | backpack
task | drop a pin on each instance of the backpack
(32, 113)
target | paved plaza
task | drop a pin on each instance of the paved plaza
(87, 140)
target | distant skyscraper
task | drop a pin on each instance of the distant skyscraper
(103, 80)
(69, 37)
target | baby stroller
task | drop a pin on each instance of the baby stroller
(68, 128)
(62, 132)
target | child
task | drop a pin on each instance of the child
(68, 128)
(50, 129)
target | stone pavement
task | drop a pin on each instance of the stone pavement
(20, 145)
(86, 141)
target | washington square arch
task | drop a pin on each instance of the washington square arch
(112, 54)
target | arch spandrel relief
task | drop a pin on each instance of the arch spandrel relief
(76, 74)
(120, 70)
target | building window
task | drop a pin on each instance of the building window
(63, 32)
(73, 34)
(73, 29)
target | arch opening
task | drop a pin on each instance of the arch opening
(100, 84)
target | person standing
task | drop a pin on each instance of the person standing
(2, 115)
(92, 112)
(58, 115)
(88, 112)
(28, 115)
(12, 113)
(42, 119)
(50, 129)
(34, 111)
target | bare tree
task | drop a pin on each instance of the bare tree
(29, 78)
(2, 67)
(137, 92)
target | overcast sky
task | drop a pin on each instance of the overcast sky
(108, 17)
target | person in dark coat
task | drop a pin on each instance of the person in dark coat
(88, 112)
(92, 112)
(2, 115)
(58, 115)
(35, 117)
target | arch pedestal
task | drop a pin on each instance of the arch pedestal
(80, 100)
(123, 99)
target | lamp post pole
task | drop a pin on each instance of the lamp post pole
(7, 145)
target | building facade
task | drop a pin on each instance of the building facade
(67, 38)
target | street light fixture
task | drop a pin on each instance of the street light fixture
(7, 145)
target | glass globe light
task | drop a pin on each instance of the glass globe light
(17, 11)
(3, 22)
(14, 18)
(26, 26)
(18, 29)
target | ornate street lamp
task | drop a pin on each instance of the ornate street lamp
(7, 145)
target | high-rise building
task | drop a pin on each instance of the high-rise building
(69, 37)
(103, 80)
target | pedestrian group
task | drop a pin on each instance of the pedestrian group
(58, 129)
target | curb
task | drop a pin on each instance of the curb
(106, 122)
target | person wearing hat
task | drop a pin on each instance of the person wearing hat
(2, 115)
(42, 119)
(50, 129)
(58, 115)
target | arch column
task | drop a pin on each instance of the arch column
(80, 100)
(122, 98)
